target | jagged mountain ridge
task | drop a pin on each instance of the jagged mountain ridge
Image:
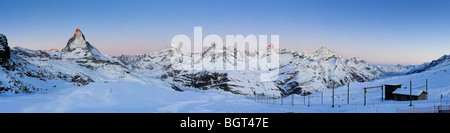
(77, 47)
(438, 63)
(298, 73)
(20, 76)
(324, 69)
(79, 52)
(79, 63)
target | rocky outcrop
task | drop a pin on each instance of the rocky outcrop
(5, 52)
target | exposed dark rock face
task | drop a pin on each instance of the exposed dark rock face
(5, 52)
(204, 80)
(30, 71)
(297, 73)
(18, 72)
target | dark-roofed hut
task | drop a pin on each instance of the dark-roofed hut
(389, 89)
(404, 95)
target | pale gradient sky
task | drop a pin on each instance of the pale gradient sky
(378, 31)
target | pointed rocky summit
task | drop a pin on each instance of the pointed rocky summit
(77, 41)
(271, 46)
(78, 31)
(77, 47)
(324, 52)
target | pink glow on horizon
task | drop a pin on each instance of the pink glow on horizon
(125, 52)
(139, 47)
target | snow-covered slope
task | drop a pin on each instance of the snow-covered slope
(324, 69)
(79, 64)
(20, 76)
(79, 58)
(157, 96)
(81, 79)
(444, 61)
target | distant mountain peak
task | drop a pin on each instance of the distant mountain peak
(325, 52)
(76, 41)
(271, 46)
(78, 47)
(52, 50)
(441, 62)
(78, 31)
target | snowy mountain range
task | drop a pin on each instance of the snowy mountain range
(37, 71)
(20, 76)
(395, 70)
(298, 72)
(80, 63)
(435, 64)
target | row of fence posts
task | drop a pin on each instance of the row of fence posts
(267, 99)
(263, 98)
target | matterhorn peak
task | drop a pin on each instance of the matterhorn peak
(77, 31)
(77, 47)
(271, 46)
(77, 41)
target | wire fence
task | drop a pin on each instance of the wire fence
(295, 100)
(341, 100)
(373, 96)
(433, 109)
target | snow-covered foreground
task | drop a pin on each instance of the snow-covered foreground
(438, 83)
(157, 96)
(123, 96)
